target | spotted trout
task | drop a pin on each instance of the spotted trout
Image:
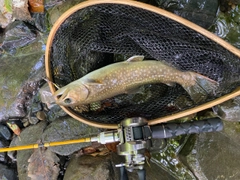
(123, 77)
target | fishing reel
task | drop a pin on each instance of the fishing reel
(135, 137)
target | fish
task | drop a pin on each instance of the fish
(127, 76)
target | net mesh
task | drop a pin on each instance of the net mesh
(102, 34)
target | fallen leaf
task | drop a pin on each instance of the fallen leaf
(89, 150)
(96, 149)
(36, 6)
(43, 164)
(14, 127)
(112, 146)
(102, 152)
(7, 6)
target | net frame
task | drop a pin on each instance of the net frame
(156, 10)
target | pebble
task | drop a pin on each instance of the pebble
(33, 120)
(25, 122)
(36, 106)
(41, 115)
(5, 132)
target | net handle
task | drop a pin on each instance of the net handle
(155, 10)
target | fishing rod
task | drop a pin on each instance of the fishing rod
(135, 137)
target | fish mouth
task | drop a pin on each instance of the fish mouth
(60, 95)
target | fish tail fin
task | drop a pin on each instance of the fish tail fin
(202, 88)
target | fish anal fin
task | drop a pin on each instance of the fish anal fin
(133, 90)
(136, 58)
(170, 84)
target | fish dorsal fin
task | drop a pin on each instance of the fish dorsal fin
(135, 59)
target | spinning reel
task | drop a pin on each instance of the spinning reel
(135, 137)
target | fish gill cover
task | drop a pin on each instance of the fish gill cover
(98, 35)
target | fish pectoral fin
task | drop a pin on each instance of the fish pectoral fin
(135, 59)
(93, 82)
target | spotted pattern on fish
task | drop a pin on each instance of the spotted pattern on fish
(121, 77)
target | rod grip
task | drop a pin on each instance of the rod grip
(169, 130)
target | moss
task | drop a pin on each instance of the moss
(15, 70)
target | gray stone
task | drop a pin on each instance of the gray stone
(103, 167)
(21, 69)
(3, 156)
(215, 155)
(46, 96)
(7, 173)
(90, 168)
(168, 158)
(226, 25)
(229, 110)
(30, 135)
(5, 132)
(55, 113)
(17, 35)
(59, 9)
(201, 12)
(33, 120)
(67, 128)
(35, 107)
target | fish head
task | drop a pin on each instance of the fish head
(72, 94)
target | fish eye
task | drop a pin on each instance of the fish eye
(67, 100)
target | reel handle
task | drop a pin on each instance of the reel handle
(170, 130)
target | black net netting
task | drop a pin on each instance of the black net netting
(102, 34)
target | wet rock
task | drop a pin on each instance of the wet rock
(3, 143)
(39, 21)
(55, 113)
(227, 26)
(103, 167)
(46, 96)
(90, 168)
(36, 106)
(229, 110)
(227, 5)
(6, 173)
(12, 155)
(21, 69)
(10, 10)
(59, 9)
(41, 115)
(30, 135)
(67, 128)
(169, 160)
(5, 15)
(33, 120)
(5, 132)
(214, 155)
(201, 12)
(17, 35)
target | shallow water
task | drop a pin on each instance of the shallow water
(227, 26)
